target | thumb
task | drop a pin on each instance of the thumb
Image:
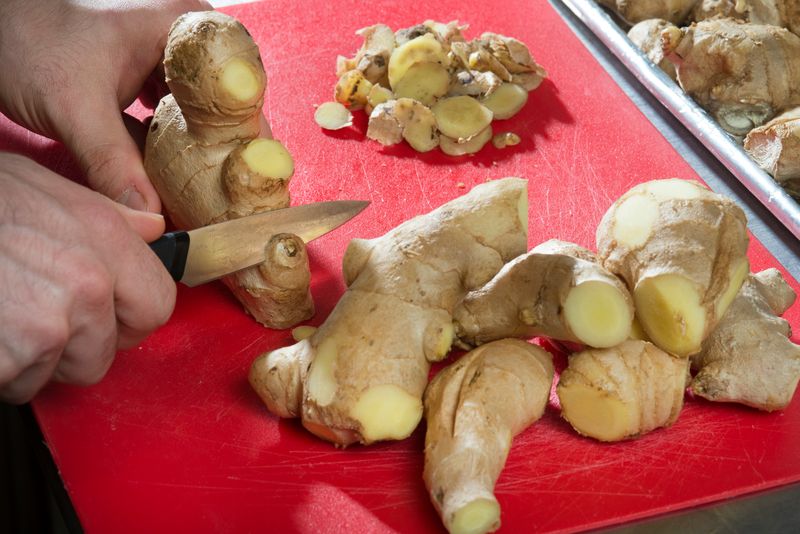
(148, 225)
(109, 156)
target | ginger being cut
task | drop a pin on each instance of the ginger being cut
(742, 74)
(361, 376)
(432, 87)
(775, 147)
(749, 358)
(557, 290)
(681, 249)
(622, 392)
(210, 160)
(473, 409)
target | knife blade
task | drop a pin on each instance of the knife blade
(204, 254)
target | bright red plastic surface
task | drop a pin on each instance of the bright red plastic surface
(175, 440)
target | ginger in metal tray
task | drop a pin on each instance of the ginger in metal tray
(431, 87)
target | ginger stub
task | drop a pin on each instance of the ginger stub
(473, 409)
(681, 249)
(210, 161)
(361, 375)
(622, 392)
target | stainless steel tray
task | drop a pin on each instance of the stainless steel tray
(692, 116)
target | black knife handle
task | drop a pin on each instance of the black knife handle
(172, 249)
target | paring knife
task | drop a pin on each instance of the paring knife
(210, 252)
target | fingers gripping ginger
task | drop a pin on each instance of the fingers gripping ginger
(361, 375)
(473, 409)
(556, 290)
(622, 392)
(749, 358)
(681, 249)
(210, 161)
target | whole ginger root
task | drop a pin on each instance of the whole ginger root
(742, 74)
(558, 290)
(211, 157)
(360, 377)
(682, 250)
(749, 358)
(473, 409)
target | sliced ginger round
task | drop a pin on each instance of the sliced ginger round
(333, 116)
(477, 517)
(452, 147)
(461, 117)
(424, 81)
(506, 100)
(422, 48)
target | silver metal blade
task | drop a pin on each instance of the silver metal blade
(231, 246)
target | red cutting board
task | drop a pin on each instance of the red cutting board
(174, 439)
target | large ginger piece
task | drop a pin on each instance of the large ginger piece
(749, 358)
(622, 392)
(633, 11)
(557, 290)
(646, 35)
(361, 375)
(473, 410)
(775, 147)
(682, 251)
(210, 159)
(743, 74)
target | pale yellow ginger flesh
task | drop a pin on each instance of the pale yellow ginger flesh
(210, 161)
(455, 147)
(622, 392)
(473, 409)
(681, 249)
(361, 375)
(505, 139)
(466, 84)
(743, 74)
(749, 358)
(556, 290)
(302, 332)
(333, 116)
(506, 101)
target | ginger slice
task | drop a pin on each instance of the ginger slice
(424, 81)
(456, 147)
(333, 116)
(461, 117)
(352, 89)
(506, 100)
(425, 48)
(404, 118)
(473, 409)
(622, 392)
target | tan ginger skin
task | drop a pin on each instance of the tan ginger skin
(743, 74)
(749, 357)
(211, 157)
(633, 11)
(775, 147)
(360, 377)
(681, 249)
(473, 409)
(556, 290)
(622, 392)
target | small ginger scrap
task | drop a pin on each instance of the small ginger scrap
(457, 87)
(473, 409)
(622, 392)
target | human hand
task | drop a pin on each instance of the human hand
(71, 66)
(79, 281)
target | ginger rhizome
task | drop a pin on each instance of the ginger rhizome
(211, 160)
(361, 375)
(633, 11)
(646, 35)
(556, 290)
(749, 358)
(622, 392)
(775, 147)
(681, 249)
(742, 74)
(473, 410)
(431, 87)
